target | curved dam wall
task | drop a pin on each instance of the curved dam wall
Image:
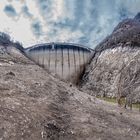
(65, 60)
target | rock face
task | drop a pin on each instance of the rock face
(115, 69)
(34, 105)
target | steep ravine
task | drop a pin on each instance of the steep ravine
(35, 105)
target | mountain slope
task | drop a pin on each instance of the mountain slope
(35, 105)
(115, 69)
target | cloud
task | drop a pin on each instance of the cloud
(81, 21)
(10, 11)
(93, 19)
(26, 12)
(36, 28)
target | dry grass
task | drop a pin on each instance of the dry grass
(113, 100)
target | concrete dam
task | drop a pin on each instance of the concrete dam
(66, 60)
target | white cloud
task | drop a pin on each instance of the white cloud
(85, 21)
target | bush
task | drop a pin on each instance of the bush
(5, 40)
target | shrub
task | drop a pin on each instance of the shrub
(5, 40)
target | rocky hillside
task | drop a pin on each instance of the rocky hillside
(115, 69)
(127, 33)
(35, 105)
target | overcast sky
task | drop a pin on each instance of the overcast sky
(85, 22)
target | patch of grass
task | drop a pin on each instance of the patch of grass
(113, 100)
(136, 106)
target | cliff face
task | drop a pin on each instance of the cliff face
(115, 69)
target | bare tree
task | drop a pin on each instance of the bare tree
(128, 82)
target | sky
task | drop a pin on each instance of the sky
(85, 22)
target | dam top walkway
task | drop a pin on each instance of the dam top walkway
(58, 45)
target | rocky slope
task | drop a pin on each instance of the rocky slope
(35, 105)
(115, 69)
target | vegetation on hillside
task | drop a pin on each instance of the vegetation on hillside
(5, 40)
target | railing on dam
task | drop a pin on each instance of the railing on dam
(67, 60)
